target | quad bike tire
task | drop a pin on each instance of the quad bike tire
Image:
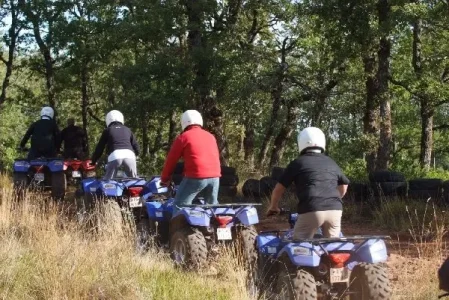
(246, 240)
(193, 243)
(298, 285)
(370, 282)
(58, 185)
(386, 176)
(20, 181)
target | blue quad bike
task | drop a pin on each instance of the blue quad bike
(39, 174)
(322, 268)
(195, 231)
(124, 191)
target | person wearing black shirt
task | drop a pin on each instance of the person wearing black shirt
(320, 186)
(45, 136)
(120, 145)
(75, 141)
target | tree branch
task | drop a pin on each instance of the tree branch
(401, 84)
(441, 127)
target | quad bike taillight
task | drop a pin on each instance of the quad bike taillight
(338, 259)
(135, 191)
(223, 220)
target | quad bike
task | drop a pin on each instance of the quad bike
(195, 230)
(76, 170)
(322, 268)
(125, 191)
(39, 174)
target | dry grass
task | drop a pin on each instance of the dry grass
(44, 255)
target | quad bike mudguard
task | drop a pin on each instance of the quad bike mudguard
(21, 166)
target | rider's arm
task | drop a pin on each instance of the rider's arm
(100, 146)
(172, 158)
(27, 136)
(343, 183)
(342, 189)
(276, 196)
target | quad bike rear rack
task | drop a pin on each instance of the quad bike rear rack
(320, 241)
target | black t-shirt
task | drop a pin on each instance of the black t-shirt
(116, 136)
(316, 177)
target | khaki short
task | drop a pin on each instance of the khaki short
(308, 223)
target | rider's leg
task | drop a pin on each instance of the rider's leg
(332, 224)
(211, 190)
(130, 167)
(307, 224)
(187, 191)
(111, 169)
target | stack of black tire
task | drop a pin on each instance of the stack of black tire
(258, 189)
(425, 188)
(357, 191)
(228, 181)
(387, 184)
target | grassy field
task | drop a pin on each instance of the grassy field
(46, 255)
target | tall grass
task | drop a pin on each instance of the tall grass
(46, 255)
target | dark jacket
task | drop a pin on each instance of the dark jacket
(45, 136)
(75, 141)
(116, 136)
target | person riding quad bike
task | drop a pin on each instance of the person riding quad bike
(202, 169)
(45, 136)
(121, 146)
(75, 141)
(320, 186)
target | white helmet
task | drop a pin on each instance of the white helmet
(311, 137)
(191, 117)
(47, 111)
(114, 116)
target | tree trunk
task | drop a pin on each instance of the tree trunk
(145, 139)
(214, 123)
(172, 128)
(44, 48)
(370, 119)
(427, 110)
(201, 59)
(13, 34)
(276, 95)
(283, 136)
(384, 151)
(85, 99)
(427, 113)
(248, 145)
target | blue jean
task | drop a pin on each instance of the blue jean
(191, 187)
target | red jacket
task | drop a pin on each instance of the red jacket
(200, 152)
